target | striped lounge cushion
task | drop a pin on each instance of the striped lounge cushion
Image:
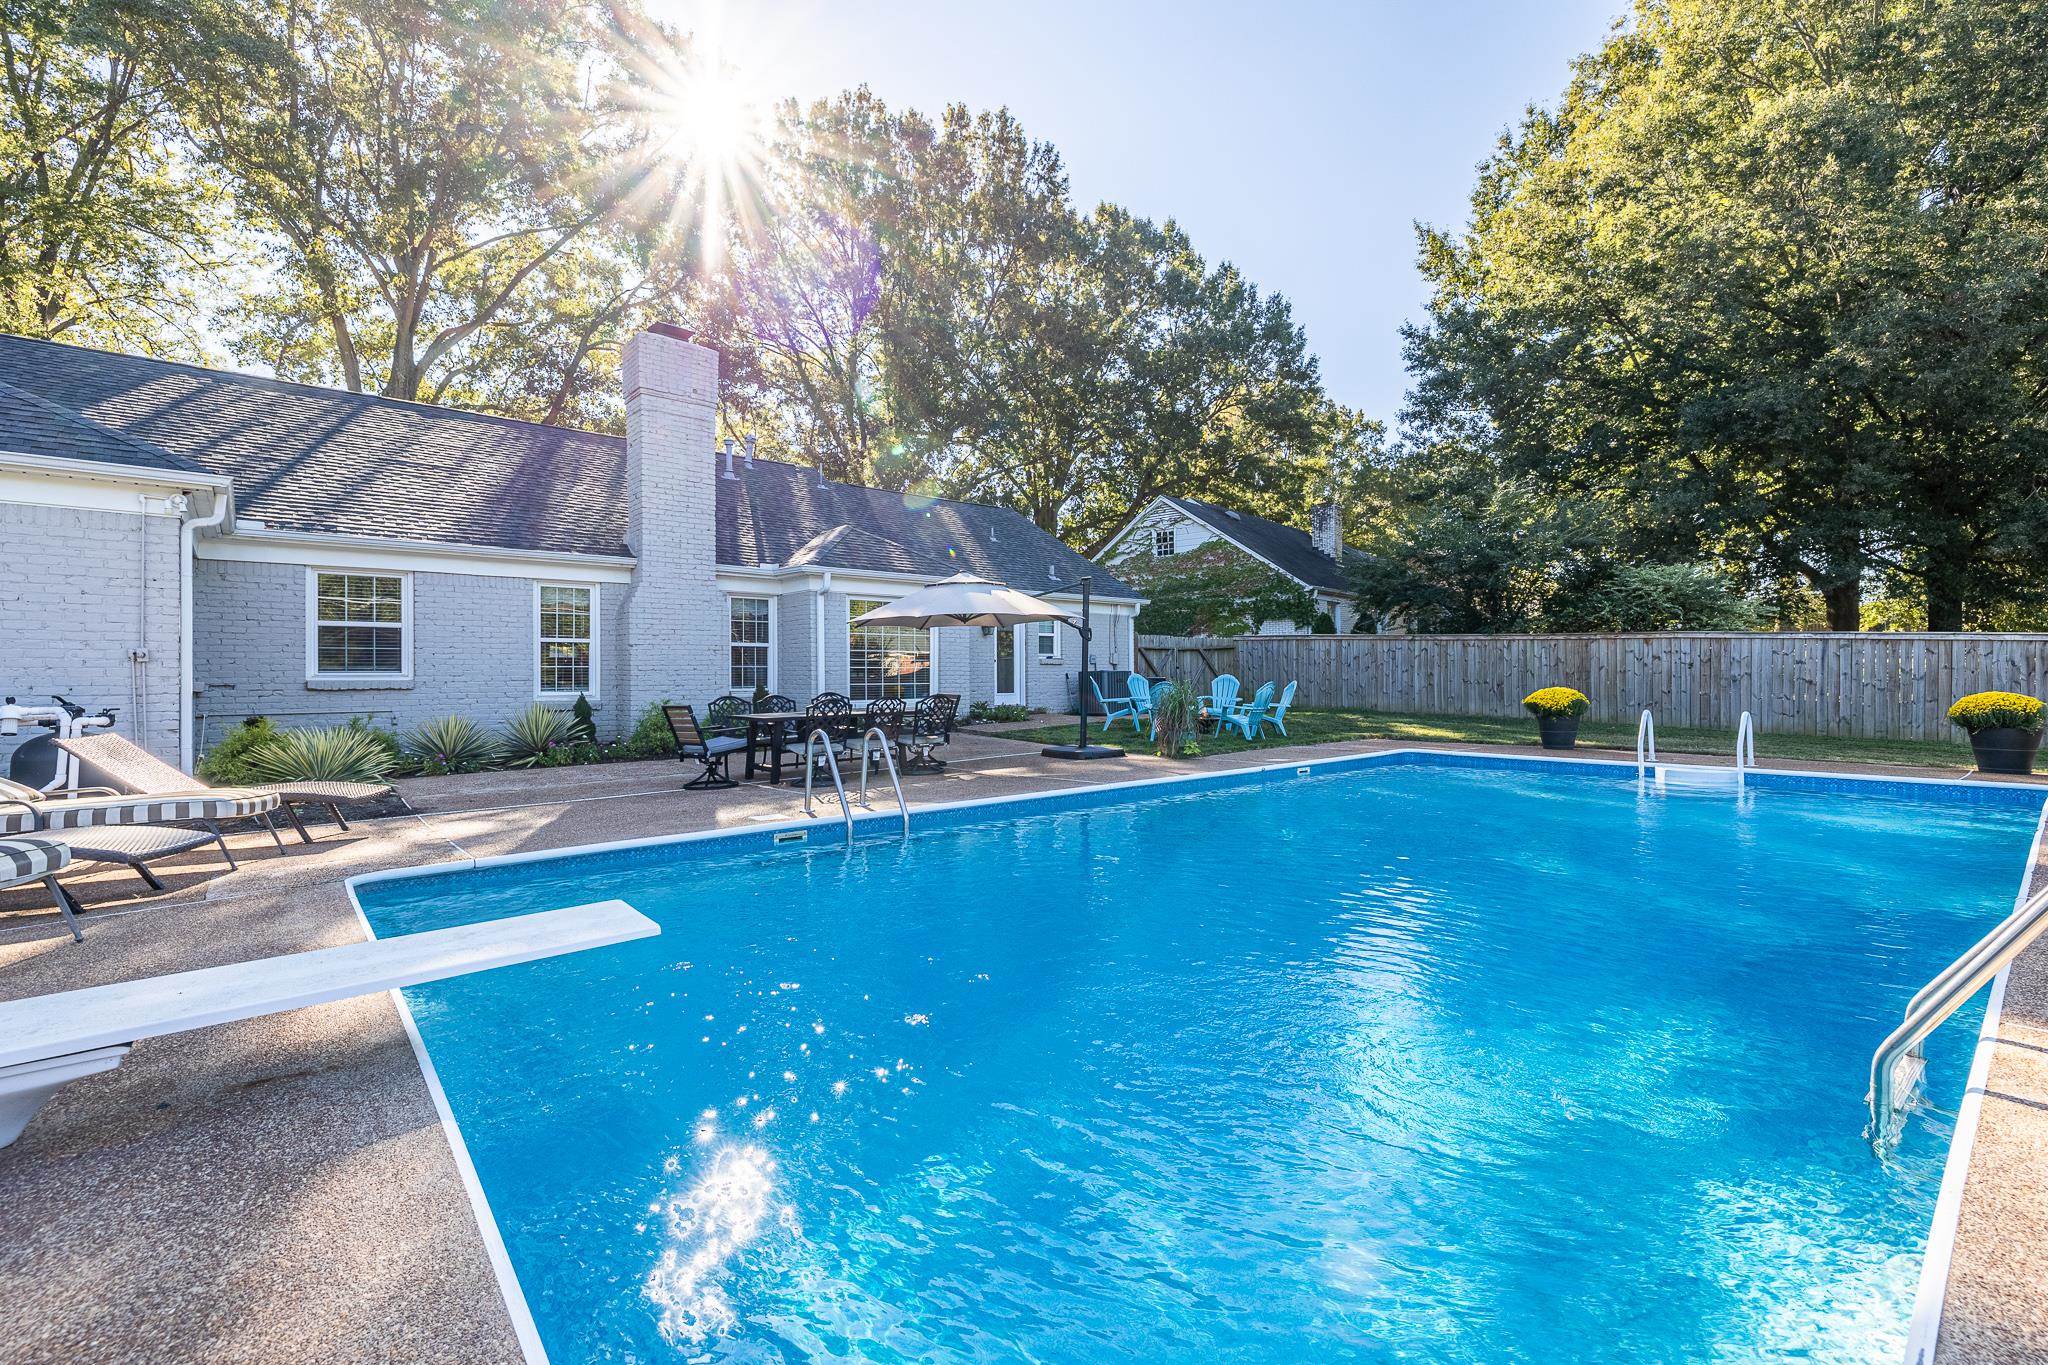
(83, 812)
(30, 860)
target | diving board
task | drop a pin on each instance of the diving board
(49, 1040)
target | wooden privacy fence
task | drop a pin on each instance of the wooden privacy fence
(1880, 686)
(1195, 659)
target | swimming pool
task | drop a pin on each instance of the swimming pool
(1424, 1056)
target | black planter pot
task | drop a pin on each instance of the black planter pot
(2005, 750)
(1559, 732)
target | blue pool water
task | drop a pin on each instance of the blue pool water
(1441, 1061)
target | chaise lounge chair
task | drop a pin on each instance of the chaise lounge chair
(31, 859)
(134, 769)
(100, 824)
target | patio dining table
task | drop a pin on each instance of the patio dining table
(772, 719)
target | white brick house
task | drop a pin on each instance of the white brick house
(194, 546)
(1315, 559)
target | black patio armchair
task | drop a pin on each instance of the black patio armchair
(931, 729)
(713, 751)
(722, 715)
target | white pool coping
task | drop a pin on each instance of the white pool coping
(1923, 1329)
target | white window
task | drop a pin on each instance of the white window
(358, 625)
(567, 631)
(753, 645)
(886, 661)
(1162, 543)
(1048, 640)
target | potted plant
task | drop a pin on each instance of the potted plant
(2005, 729)
(1557, 711)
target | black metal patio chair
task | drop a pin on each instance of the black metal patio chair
(931, 729)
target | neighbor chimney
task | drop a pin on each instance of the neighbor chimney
(671, 637)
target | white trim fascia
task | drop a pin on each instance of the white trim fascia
(93, 485)
(373, 553)
(369, 681)
(596, 689)
(870, 583)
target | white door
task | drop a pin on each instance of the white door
(1009, 681)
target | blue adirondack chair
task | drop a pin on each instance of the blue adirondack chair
(1136, 702)
(1279, 716)
(1221, 698)
(1248, 717)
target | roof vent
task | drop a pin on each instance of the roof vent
(1234, 516)
(749, 457)
(728, 459)
(1052, 571)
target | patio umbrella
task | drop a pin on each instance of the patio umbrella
(965, 600)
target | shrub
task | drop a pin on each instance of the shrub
(1556, 702)
(532, 737)
(651, 737)
(1325, 624)
(227, 763)
(452, 744)
(983, 713)
(1996, 711)
(583, 721)
(341, 753)
(1176, 716)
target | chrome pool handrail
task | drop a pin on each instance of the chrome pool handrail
(1646, 742)
(1895, 1066)
(888, 761)
(811, 773)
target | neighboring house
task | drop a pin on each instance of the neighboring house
(196, 546)
(1314, 559)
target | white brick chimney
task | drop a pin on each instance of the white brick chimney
(672, 622)
(1326, 529)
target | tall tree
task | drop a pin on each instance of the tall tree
(106, 232)
(1767, 284)
(423, 173)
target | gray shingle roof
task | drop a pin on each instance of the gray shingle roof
(312, 459)
(31, 426)
(777, 513)
(305, 458)
(1286, 548)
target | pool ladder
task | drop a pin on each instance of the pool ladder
(819, 742)
(1896, 1065)
(1695, 774)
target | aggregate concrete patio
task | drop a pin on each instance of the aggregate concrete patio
(280, 1189)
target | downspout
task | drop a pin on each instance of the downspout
(818, 633)
(188, 541)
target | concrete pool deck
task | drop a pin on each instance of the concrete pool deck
(280, 1189)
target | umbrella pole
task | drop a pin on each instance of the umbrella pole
(1081, 748)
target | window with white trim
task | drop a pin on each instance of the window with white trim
(568, 639)
(360, 622)
(1162, 543)
(752, 641)
(1047, 640)
(886, 661)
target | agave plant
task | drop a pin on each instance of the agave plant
(341, 753)
(452, 744)
(532, 737)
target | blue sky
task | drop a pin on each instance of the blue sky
(1301, 141)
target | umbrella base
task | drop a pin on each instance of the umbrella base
(1081, 751)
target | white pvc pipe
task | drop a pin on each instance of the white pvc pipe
(188, 539)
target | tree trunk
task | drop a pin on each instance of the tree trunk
(1946, 573)
(1845, 604)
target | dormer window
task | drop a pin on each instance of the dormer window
(1162, 543)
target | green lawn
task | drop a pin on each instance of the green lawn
(1325, 727)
